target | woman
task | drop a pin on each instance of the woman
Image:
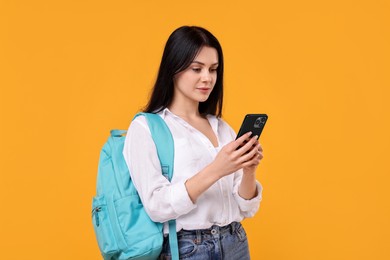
(213, 186)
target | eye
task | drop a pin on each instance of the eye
(196, 69)
(213, 70)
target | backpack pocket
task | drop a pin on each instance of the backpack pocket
(103, 228)
(143, 236)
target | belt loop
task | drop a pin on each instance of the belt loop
(198, 237)
(233, 226)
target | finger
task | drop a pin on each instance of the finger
(260, 156)
(250, 155)
(255, 161)
(239, 142)
(260, 152)
(250, 164)
(248, 146)
(257, 157)
(260, 148)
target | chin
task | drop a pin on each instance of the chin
(203, 100)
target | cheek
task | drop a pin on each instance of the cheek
(181, 81)
(187, 78)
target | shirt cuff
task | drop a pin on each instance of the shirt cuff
(181, 201)
(250, 207)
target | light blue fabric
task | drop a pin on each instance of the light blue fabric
(122, 227)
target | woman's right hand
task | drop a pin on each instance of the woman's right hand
(236, 155)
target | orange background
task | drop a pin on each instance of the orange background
(72, 70)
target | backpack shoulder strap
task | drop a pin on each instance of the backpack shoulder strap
(163, 139)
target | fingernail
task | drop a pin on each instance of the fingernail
(256, 136)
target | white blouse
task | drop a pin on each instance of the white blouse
(163, 200)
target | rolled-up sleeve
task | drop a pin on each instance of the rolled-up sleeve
(162, 199)
(248, 208)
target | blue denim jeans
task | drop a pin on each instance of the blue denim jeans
(228, 243)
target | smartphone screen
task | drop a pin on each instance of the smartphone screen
(254, 123)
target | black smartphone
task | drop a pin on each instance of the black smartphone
(254, 123)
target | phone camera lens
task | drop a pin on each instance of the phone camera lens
(258, 121)
(263, 119)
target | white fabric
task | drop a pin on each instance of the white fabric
(219, 205)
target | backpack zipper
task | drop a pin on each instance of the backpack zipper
(95, 212)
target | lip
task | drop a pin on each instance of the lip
(204, 89)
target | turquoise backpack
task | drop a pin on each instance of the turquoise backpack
(122, 227)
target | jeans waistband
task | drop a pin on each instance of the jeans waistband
(213, 230)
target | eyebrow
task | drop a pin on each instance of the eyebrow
(201, 63)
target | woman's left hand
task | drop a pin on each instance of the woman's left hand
(255, 160)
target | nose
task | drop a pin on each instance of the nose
(206, 76)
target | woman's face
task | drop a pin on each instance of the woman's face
(195, 83)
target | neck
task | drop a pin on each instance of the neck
(185, 109)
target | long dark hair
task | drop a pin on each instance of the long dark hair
(180, 50)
